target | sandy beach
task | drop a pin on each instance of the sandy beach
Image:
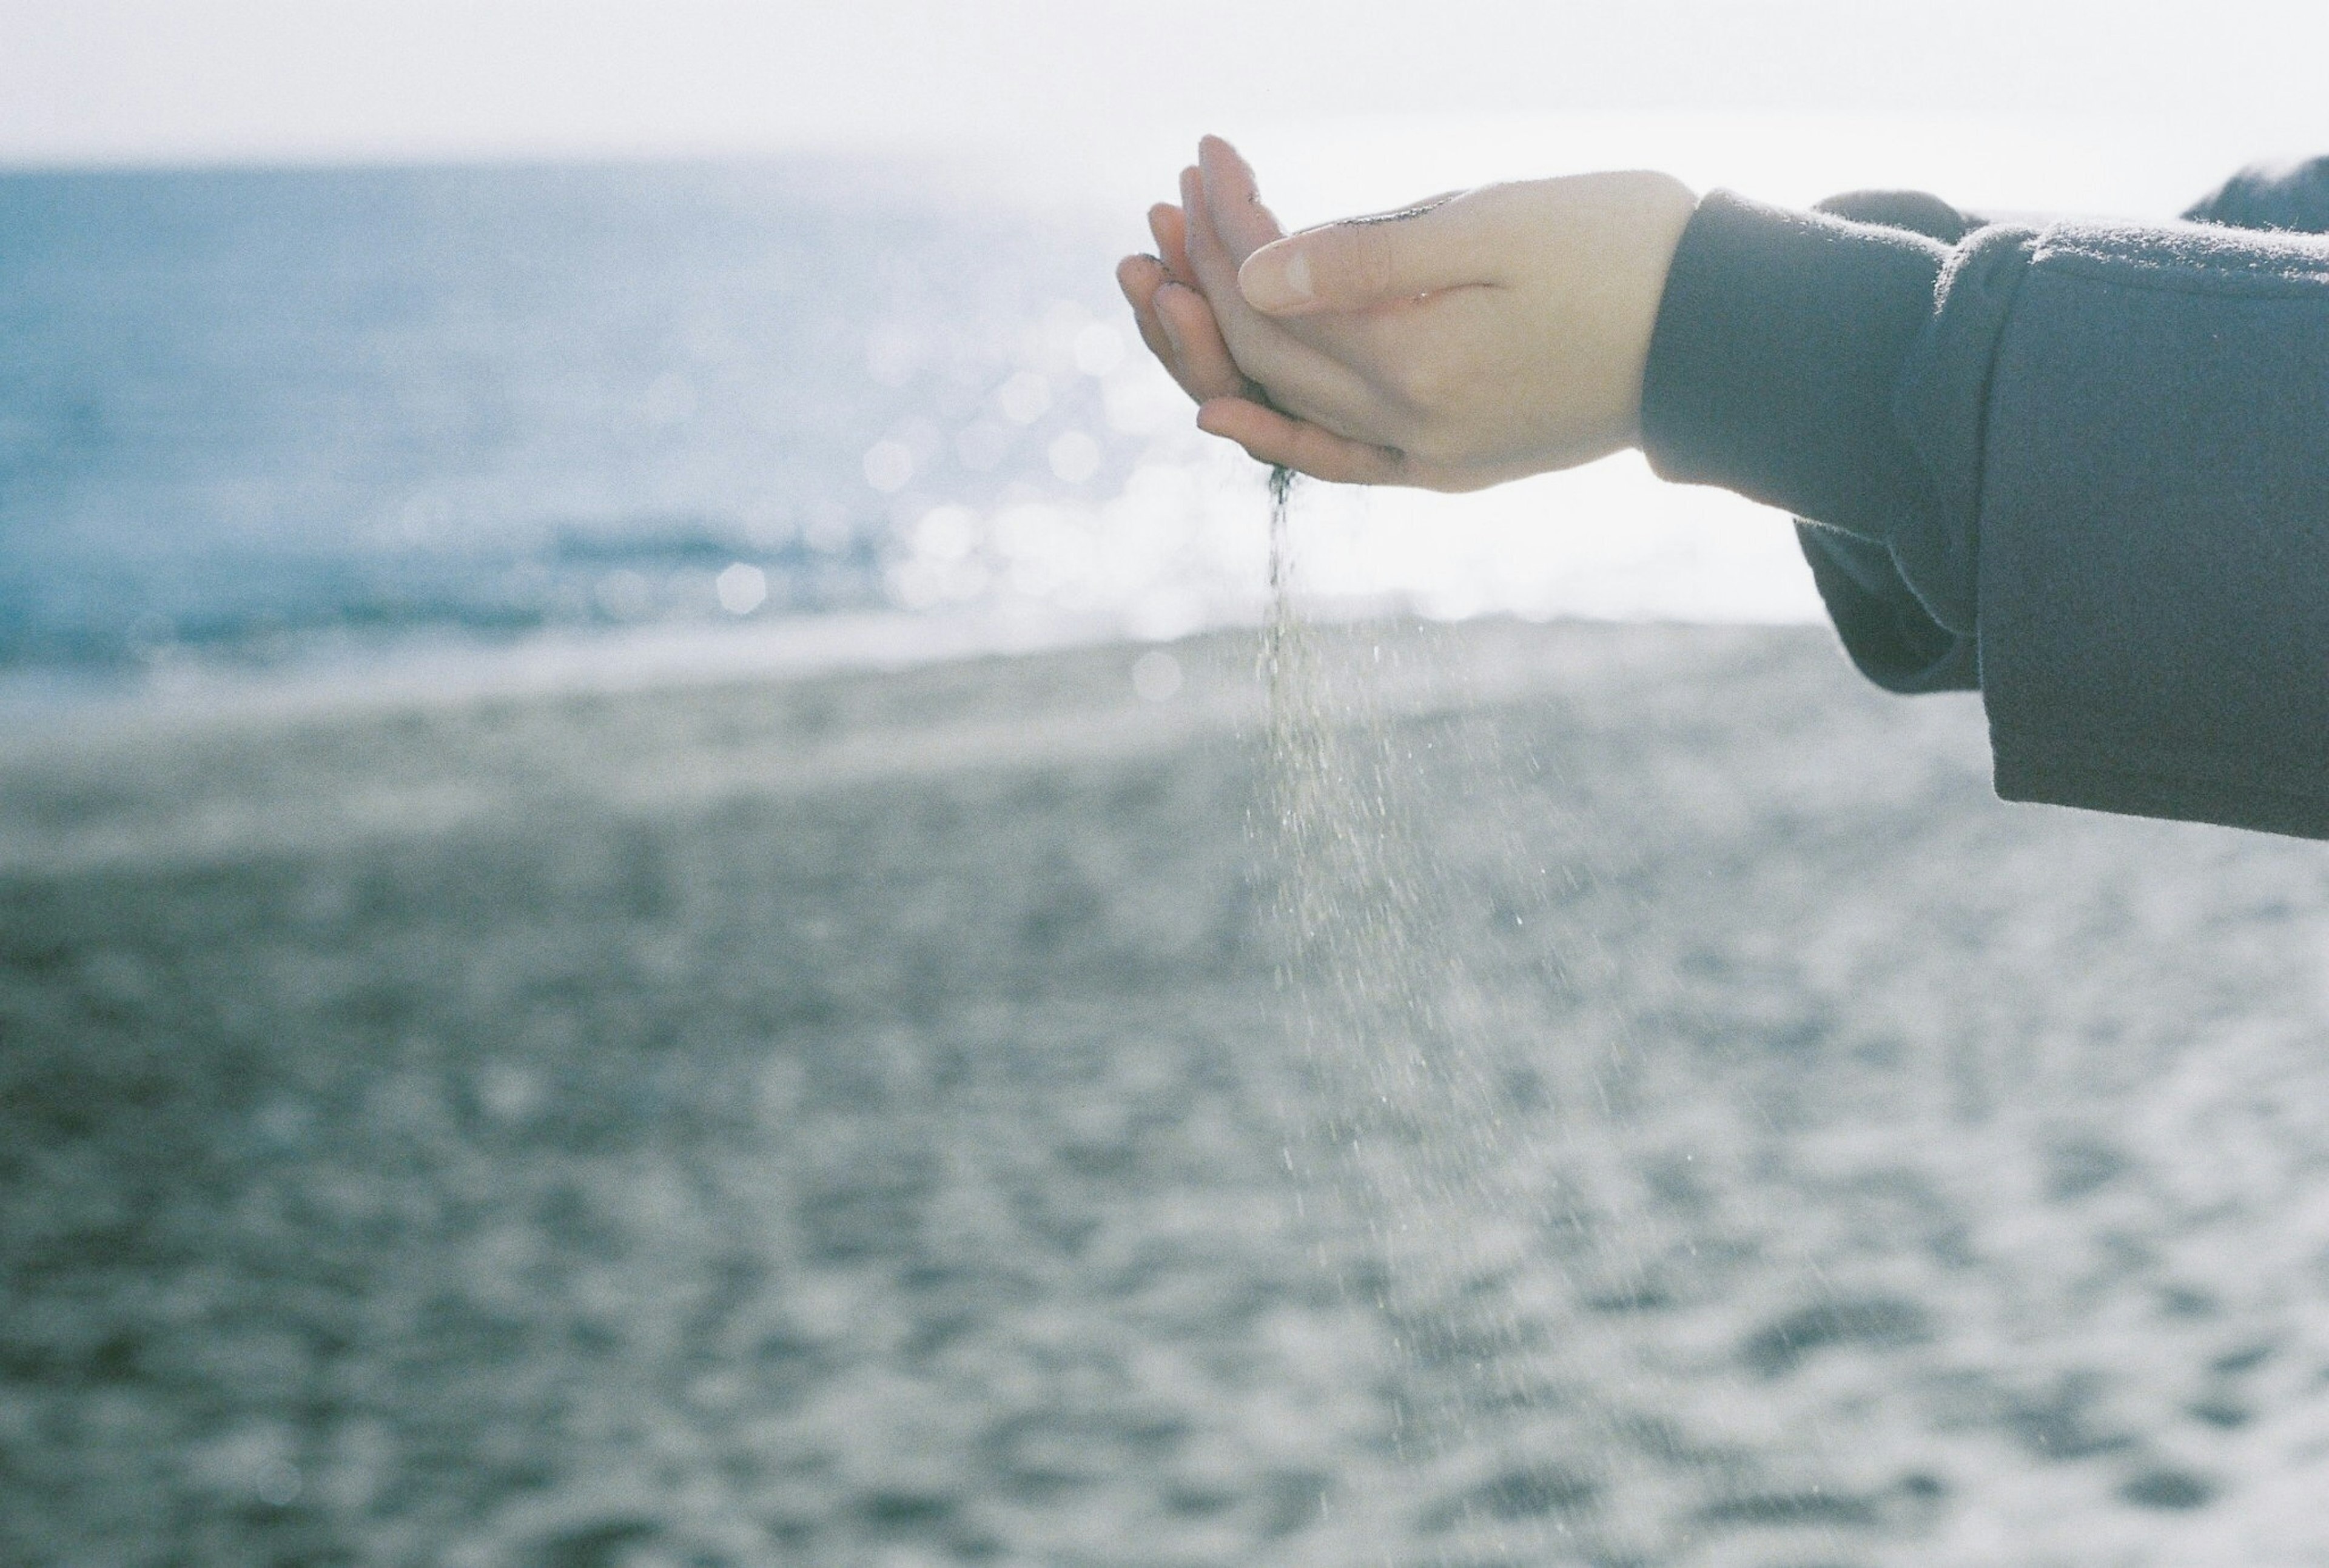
(869, 1119)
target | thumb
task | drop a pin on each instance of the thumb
(1366, 262)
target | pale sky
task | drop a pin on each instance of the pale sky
(176, 80)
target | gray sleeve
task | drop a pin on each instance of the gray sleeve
(2085, 467)
(2150, 494)
(1889, 633)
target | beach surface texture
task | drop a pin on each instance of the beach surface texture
(875, 1119)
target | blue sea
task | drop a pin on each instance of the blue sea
(248, 414)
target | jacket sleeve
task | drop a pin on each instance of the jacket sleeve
(2084, 466)
(1886, 630)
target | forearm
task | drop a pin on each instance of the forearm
(2099, 455)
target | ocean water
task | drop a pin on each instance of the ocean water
(257, 418)
(249, 412)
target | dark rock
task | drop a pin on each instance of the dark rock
(2178, 1490)
(2233, 1363)
(897, 1512)
(2059, 1427)
(2078, 1166)
(1532, 1493)
(1811, 1508)
(1880, 1324)
(604, 1545)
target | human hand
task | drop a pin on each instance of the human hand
(1177, 322)
(1174, 321)
(1464, 340)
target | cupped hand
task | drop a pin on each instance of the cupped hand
(1464, 340)
(1169, 295)
(1174, 320)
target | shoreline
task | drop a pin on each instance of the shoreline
(293, 765)
(330, 677)
(450, 668)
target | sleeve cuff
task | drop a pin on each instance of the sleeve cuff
(1885, 629)
(1779, 343)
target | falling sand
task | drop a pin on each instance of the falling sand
(1411, 1056)
(1400, 1138)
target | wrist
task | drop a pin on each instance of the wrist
(1668, 208)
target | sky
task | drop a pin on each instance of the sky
(206, 80)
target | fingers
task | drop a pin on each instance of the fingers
(1300, 379)
(1205, 368)
(1140, 276)
(1361, 262)
(1205, 377)
(1234, 201)
(1170, 227)
(1226, 402)
(1178, 327)
(1270, 437)
(1191, 314)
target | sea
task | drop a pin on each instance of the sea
(255, 414)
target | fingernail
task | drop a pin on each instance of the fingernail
(1276, 279)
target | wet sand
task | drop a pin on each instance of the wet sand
(849, 1120)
